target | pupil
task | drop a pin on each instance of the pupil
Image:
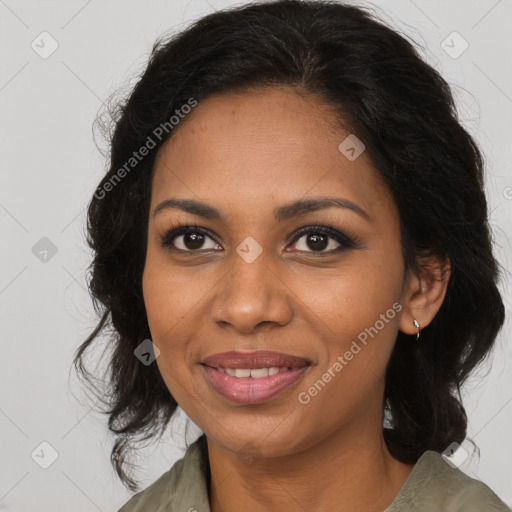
(317, 242)
(193, 240)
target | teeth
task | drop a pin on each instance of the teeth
(258, 373)
(255, 373)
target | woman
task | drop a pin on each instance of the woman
(290, 242)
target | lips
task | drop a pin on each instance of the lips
(250, 391)
(253, 360)
(241, 378)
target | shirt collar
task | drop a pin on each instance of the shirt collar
(191, 478)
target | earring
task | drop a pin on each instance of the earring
(417, 325)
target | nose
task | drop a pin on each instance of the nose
(251, 295)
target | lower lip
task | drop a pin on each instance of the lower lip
(247, 390)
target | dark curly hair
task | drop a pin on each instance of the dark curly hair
(403, 111)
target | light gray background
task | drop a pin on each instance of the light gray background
(50, 167)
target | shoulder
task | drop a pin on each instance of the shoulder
(155, 497)
(183, 485)
(434, 484)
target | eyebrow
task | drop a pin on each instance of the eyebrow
(281, 213)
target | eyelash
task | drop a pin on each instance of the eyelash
(345, 241)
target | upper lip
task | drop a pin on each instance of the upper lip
(251, 360)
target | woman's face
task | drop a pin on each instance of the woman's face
(250, 282)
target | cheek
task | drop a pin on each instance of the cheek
(172, 308)
(165, 307)
(168, 301)
(352, 298)
(359, 305)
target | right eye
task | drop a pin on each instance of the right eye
(188, 239)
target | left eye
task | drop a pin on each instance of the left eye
(321, 239)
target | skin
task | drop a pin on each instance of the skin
(246, 154)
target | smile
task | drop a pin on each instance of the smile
(252, 385)
(255, 373)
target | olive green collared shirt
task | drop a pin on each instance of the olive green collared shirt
(432, 486)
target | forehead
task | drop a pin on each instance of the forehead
(250, 147)
(262, 121)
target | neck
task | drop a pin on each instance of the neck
(343, 472)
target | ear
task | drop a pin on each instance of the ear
(423, 293)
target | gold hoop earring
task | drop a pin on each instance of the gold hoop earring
(417, 325)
